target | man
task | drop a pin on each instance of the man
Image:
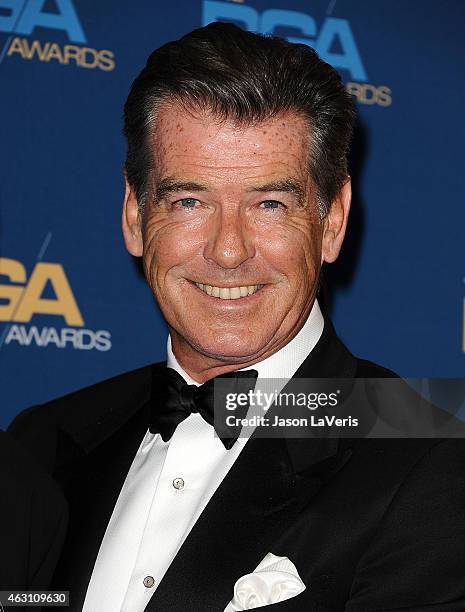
(237, 192)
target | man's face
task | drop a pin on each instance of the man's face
(232, 240)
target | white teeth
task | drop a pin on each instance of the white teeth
(228, 293)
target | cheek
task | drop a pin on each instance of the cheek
(293, 251)
(167, 245)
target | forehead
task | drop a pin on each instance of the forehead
(185, 143)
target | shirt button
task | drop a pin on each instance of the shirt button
(148, 582)
(178, 483)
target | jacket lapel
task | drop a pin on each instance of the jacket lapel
(91, 466)
(256, 500)
(269, 485)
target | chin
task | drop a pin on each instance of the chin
(230, 347)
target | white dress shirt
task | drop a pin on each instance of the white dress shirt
(168, 486)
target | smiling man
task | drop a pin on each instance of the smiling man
(232, 238)
(237, 191)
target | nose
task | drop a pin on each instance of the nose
(229, 243)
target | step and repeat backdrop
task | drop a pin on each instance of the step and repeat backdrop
(74, 307)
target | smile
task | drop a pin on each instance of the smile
(229, 293)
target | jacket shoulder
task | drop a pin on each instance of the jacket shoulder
(79, 412)
(368, 369)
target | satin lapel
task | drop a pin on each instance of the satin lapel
(329, 359)
(270, 483)
(92, 482)
(255, 501)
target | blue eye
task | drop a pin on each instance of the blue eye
(187, 202)
(271, 204)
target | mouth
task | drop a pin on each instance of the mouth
(229, 293)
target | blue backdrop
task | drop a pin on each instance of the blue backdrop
(74, 307)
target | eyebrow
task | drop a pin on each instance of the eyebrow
(287, 186)
(171, 185)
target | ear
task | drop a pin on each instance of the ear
(131, 222)
(335, 224)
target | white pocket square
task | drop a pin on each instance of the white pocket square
(275, 579)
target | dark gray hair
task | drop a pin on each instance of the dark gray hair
(248, 78)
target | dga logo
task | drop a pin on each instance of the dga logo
(23, 17)
(22, 299)
(334, 33)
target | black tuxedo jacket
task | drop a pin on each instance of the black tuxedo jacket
(33, 520)
(370, 524)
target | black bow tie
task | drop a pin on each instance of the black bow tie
(173, 400)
